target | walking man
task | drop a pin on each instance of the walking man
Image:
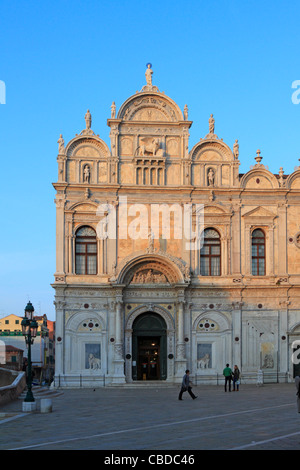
(185, 386)
(227, 372)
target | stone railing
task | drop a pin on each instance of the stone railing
(12, 384)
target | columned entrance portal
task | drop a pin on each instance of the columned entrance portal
(149, 347)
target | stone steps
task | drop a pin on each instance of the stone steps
(161, 384)
(41, 392)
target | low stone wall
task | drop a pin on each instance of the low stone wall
(12, 384)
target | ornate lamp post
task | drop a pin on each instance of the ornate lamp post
(29, 330)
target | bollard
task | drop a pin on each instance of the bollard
(260, 378)
(46, 405)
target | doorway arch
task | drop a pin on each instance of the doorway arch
(149, 347)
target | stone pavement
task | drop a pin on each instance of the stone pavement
(153, 419)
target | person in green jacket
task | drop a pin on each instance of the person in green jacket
(227, 372)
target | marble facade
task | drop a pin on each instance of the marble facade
(203, 321)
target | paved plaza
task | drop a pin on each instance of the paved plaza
(152, 418)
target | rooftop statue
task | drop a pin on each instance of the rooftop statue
(148, 74)
(211, 123)
(236, 149)
(113, 110)
(88, 119)
(186, 112)
(61, 144)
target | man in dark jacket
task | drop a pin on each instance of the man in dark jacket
(185, 386)
(227, 372)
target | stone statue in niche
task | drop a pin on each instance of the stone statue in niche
(86, 174)
(236, 150)
(113, 110)
(61, 144)
(88, 119)
(211, 177)
(149, 73)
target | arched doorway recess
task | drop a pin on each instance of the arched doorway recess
(149, 347)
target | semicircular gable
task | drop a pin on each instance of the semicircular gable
(259, 178)
(87, 147)
(293, 180)
(218, 317)
(211, 151)
(150, 107)
(151, 268)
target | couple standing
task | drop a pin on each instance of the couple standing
(232, 375)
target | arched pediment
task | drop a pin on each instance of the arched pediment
(87, 146)
(293, 180)
(81, 322)
(259, 178)
(150, 107)
(219, 319)
(211, 150)
(152, 268)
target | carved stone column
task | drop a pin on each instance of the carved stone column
(282, 239)
(247, 260)
(128, 355)
(60, 238)
(237, 332)
(119, 376)
(180, 345)
(60, 336)
(270, 265)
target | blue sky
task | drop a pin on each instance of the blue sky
(234, 59)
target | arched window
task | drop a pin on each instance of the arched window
(210, 253)
(86, 251)
(258, 253)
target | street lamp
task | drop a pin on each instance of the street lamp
(29, 330)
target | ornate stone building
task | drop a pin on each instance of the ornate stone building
(134, 308)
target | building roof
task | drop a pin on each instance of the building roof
(10, 348)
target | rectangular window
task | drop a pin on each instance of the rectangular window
(258, 253)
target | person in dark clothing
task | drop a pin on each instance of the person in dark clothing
(236, 378)
(185, 386)
(227, 372)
